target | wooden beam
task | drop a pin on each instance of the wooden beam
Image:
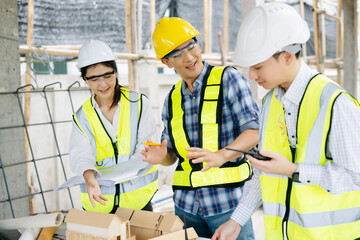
(152, 16)
(226, 27)
(139, 25)
(317, 43)
(29, 39)
(301, 2)
(221, 47)
(339, 41)
(130, 40)
(207, 25)
(323, 36)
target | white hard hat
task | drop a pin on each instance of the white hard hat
(93, 52)
(267, 29)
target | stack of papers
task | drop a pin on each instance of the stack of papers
(112, 175)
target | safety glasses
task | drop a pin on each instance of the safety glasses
(180, 54)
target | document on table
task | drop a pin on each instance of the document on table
(112, 175)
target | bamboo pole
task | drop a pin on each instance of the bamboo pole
(29, 39)
(152, 16)
(129, 41)
(323, 36)
(325, 13)
(74, 53)
(221, 47)
(339, 41)
(66, 47)
(301, 2)
(317, 46)
(139, 24)
(226, 27)
(207, 25)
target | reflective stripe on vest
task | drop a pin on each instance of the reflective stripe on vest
(188, 175)
(313, 213)
(109, 153)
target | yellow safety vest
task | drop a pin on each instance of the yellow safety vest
(188, 175)
(108, 153)
(308, 211)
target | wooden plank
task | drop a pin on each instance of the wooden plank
(301, 2)
(221, 47)
(207, 25)
(226, 27)
(29, 39)
(316, 39)
(139, 24)
(339, 41)
(323, 34)
(152, 16)
(129, 41)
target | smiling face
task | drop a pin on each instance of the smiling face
(188, 62)
(101, 80)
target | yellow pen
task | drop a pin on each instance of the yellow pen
(152, 144)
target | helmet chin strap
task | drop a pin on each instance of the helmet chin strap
(292, 48)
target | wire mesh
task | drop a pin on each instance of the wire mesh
(47, 133)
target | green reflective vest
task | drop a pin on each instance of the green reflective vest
(108, 153)
(188, 175)
(308, 211)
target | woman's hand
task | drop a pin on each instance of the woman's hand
(93, 188)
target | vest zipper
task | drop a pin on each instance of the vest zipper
(288, 195)
(117, 186)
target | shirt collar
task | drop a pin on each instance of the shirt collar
(95, 104)
(198, 82)
(297, 88)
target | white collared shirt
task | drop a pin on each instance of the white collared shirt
(80, 150)
(337, 177)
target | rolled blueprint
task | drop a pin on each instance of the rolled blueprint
(37, 221)
(30, 234)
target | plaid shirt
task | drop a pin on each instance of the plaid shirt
(239, 113)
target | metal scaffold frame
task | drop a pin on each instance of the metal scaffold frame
(45, 91)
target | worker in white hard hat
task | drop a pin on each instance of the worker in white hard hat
(109, 129)
(209, 109)
(310, 189)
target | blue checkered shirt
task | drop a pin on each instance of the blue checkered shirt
(239, 113)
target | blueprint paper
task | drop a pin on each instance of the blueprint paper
(112, 175)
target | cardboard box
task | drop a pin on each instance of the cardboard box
(96, 226)
(191, 235)
(125, 224)
(148, 225)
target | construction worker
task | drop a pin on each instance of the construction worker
(209, 109)
(310, 189)
(110, 128)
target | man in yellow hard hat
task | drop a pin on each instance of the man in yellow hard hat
(310, 189)
(209, 109)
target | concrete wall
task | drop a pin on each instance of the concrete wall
(11, 140)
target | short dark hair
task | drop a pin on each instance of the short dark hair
(276, 55)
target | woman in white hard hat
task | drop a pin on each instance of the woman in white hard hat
(309, 128)
(109, 129)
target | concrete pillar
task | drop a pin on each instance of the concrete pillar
(12, 147)
(350, 46)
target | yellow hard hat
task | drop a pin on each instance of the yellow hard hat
(169, 33)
